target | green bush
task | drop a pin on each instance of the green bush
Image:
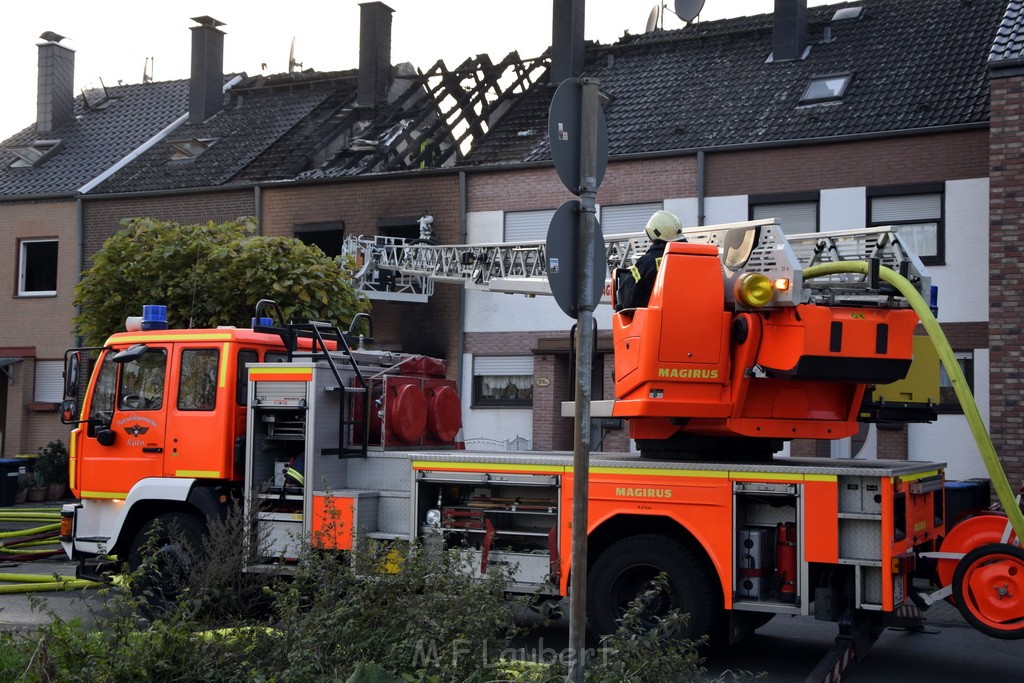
(391, 613)
(51, 465)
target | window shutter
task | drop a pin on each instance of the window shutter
(794, 217)
(527, 226)
(911, 207)
(626, 218)
(502, 365)
(49, 381)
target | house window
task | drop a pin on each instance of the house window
(187, 150)
(35, 154)
(918, 217)
(948, 402)
(829, 88)
(502, 381)
(328, 235)
(527, 226)
(49, 386)
(796, 213)
(626, 218)
(197, 381)
(37, 268)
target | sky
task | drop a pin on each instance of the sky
(113, 39)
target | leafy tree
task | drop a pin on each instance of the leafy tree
(208, 275)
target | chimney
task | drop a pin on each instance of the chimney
(374, 76)
(206, 86)
(790, 36)
(567, 40)
(55, 98)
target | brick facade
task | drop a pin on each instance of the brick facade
(1006, 276)
(102, 215)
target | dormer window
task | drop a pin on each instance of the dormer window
(34, 154)
(184, 150)
(829, 88)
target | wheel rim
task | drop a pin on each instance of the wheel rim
(634, 581)
(993, 591)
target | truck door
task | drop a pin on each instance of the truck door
(124, 442)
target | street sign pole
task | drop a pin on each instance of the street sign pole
(584, 358)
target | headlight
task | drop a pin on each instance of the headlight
(434, 518)
(754, 290)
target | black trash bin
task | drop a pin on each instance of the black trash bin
(9, 468)
(965, 497)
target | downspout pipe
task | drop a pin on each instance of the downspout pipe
(700, 187)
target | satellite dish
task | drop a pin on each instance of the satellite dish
(291, 58)
(652, 20)
(687, 10)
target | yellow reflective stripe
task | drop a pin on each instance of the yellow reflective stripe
(103, 494)
(204, 474)
(283, 370)
(172, 337)
(719, 474)
(657, 263)
(820, 477)
(222, 375)
(919, 475)
(484, 467)
(635, 272)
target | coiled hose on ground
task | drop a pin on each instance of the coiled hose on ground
(22, 545)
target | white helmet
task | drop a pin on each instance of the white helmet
(663, 225)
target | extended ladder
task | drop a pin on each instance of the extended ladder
(393, 268)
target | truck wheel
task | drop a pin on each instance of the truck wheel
(988, 586)
(177, 540)
(625, 570)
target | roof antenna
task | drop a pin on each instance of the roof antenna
(147, 70)
(291, 58)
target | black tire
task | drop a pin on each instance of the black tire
(625, 570)
(988, 587)
(177, 542)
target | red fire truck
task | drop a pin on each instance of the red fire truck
(175, 423)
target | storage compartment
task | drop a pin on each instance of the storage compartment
(499, 520)
(767, 566)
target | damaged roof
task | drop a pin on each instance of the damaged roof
(96, 140)
(268, 130)
(912, 65)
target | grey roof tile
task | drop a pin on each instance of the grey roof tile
(1009, 41)
(915, 64)
(96, 140)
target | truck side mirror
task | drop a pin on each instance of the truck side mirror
(72, 372)
(133, 352)
(68, 411)
(106, 437)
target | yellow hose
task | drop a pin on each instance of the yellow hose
(64, 584)
(956, 376)
(19, 533)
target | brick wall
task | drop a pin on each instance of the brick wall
(102, 215)
(1006, 276)
(899, 161)
(625, 182)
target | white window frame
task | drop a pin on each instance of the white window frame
(501, 366)
(912, 208)
(23, 269)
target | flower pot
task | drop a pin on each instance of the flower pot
(36, 494)
(55, 491)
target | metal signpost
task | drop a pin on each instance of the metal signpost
(579, 149)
